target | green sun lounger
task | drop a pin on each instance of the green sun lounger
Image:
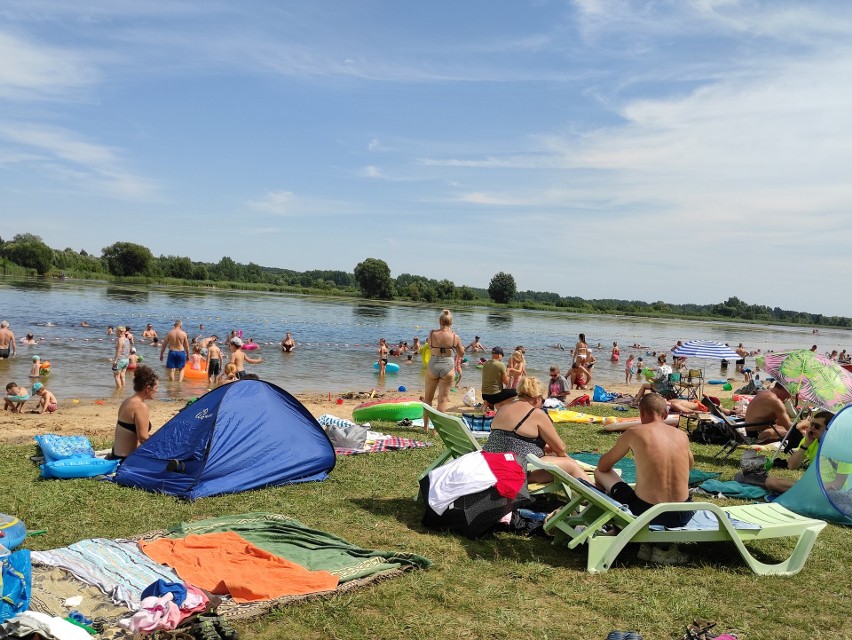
(580, 522)
(459, 440)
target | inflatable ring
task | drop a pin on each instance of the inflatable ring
(23, 398)
(390, 367)
(78, 468)
(196, 374)
(390, 410)
(250, 346)
(14, 531)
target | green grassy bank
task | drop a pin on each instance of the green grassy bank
(503, 586)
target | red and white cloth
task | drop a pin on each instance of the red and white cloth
(474, 472)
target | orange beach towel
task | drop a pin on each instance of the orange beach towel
(225, 563)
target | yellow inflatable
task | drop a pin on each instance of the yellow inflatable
(566, 415)
(425, 354)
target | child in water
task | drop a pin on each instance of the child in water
(47, 401)
(629, 370)
(616, 352)
(230, 373)
(35, 371)
(133, 359)
(195, 360)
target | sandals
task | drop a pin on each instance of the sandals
(207, 627)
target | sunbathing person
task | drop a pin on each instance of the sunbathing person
(522, 427)
(767, 407)
(133, 426)
(663, 460)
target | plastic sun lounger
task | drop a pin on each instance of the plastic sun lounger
(581, 519)
(459, 440)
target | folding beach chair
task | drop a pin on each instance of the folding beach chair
(459, 440)
(581, 521)
(734, 423)
(691, 387)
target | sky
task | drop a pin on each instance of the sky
(682, 150)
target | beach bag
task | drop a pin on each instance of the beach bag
(711, 432)
(15, 583)
(581, 401)
(469, 398)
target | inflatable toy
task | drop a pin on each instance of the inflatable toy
(44, 368)
(55, 447)
(22, 398)
(717, 382)
(425, 354)
(195, 374)
(250, 346)
(390, 367)
(390, 410)
(402, 389)
(12, 531)
(78, 468)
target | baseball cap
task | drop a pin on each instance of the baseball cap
(36, 358)
(497, 350)
(38, 386)
(237, 342)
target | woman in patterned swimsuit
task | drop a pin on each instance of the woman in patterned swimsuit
(522, 427)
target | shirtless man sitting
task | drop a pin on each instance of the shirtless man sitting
(663, 460)
(475, 346)
(767, 407)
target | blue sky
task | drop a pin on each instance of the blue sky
(686, 150)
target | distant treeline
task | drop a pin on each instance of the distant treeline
(27, 254)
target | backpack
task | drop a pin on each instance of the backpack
(710, 432)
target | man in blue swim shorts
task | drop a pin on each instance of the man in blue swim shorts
(178, 345)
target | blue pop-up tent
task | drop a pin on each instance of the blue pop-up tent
(825, 491)
(244, 435)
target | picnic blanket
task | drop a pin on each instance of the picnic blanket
(627, 467)
(116, 567)
(313, 549)
(386, 443)
(226, 564)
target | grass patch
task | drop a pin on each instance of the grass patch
(497, 587)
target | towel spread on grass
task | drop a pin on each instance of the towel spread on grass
(118, 568)
(224, 563)
(627, 466)
(388, 443)
(310, 548)
(733, 489)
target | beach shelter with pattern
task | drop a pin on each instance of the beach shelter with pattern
(244, 435)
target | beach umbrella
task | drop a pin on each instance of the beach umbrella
(815, 378)
(705, 349)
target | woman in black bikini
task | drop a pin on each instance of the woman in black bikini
(522, 427)
(134, 426)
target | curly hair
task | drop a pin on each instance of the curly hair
(144, 378)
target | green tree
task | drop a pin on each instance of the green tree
(502, 287)
(127, 259)
(30, 252)
(374, 279)
(445, 290)
(466, 293)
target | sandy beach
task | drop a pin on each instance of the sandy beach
(96, 418)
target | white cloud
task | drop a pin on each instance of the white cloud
(375, 145)
(82, 164)
(278, 202)
(371, 171)
(35, 71)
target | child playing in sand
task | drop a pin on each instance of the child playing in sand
(16, 398)
(35, 371)
(47, 401)
(195, 360)
(629, 370)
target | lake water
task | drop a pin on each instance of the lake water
(336, 338)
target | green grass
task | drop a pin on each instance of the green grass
(498, 587)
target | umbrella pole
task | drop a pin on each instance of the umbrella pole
(780, 448)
